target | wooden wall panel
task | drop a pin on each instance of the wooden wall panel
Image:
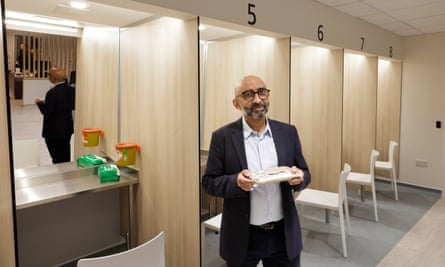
(160, 105)
(97, 89)
(359, 110)
(7, 242)
(227, 62)
(316, 110)
(388, 108)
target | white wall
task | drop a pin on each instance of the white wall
(423, 102)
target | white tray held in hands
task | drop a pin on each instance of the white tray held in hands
(274, 175)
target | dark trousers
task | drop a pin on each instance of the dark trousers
(268, 246)
(59, 149)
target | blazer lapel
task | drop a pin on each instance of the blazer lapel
(238, 142)
(280, 142)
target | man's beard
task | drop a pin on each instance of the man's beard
(255, 115)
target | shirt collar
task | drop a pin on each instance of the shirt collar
(248, 131)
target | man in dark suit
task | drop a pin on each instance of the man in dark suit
(259, 221)
(57, 116)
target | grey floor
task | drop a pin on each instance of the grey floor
(423, 244)
(368, 242)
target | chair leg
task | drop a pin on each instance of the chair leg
(203, 238)
(362, 192)
(301, 215)
(342, 229)
(375, 203)
(394, 180)
(348, 221)
(326, 215)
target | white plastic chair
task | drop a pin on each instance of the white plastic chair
(390, 166)
(213, 223)
(330, 201)
(366, 179)
(148, 254)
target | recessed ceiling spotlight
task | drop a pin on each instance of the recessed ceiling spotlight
(78, 5)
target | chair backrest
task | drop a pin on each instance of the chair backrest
(392, 147)
(342, 182)
(148, 254)
(374, 155)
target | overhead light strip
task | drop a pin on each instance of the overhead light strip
(69, 23)
(30, 17)
(40, 26)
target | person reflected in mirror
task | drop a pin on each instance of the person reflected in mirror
(259, 221)
(57, 109)
(19, 58)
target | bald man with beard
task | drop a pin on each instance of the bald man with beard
(57, 109)
(259, 221)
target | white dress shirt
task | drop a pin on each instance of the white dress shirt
(265, 200)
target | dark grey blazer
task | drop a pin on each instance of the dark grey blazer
(57, 112)
(226, 159)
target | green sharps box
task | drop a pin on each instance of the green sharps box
(108, 173)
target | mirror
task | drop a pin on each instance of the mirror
(45, 45)
(26, 124)
(31, 56)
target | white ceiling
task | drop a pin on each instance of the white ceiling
(96, 14)
(403, 17)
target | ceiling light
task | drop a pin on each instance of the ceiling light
(78, 5)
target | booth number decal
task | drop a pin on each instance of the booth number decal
(251, 13)
(320, 33)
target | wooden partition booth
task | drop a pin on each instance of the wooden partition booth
(389, 92)
(159, 111)
(223, 64)
(97, 89)
(227, 62)
(316, 110)
(359, 110)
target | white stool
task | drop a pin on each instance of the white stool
(214, 224)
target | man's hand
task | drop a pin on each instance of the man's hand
(244, 181)
(300, 176)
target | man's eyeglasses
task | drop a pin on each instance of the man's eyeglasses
(248, 95)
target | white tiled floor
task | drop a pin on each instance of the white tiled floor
(26, 122)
